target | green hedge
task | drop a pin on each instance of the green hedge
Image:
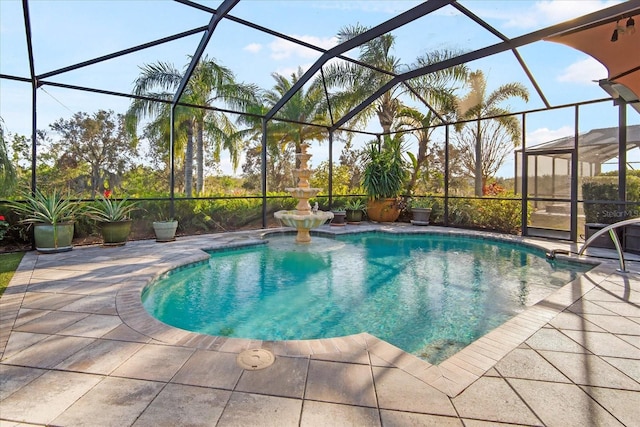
(600, 188)
(503, 215)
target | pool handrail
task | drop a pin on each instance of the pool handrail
(614, 237)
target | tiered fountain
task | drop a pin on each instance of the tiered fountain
(303, 218)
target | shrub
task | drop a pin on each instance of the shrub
(597, 189)
(488, 213)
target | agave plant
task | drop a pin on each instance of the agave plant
(111, 210)
(42, 208)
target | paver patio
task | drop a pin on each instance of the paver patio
(78, 348)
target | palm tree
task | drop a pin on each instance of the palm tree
(421, 127)
(209, 84)
(8, 176)
(304, 107)
(359, 81)
(477, 104)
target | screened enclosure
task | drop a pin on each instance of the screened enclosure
(220, 158)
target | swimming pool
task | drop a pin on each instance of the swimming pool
(427, 294)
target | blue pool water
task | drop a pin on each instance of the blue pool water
(430, 295)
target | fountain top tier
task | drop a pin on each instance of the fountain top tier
(302, 218)
(303, 192)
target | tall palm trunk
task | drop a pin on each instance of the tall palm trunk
(188, 162)
(200, 158)
(421, 161)
(478, 169)
(386, 113)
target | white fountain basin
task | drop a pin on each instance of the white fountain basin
(312, 220)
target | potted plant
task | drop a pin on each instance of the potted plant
(421, 210)
(165, 229)
(114, 216)
(339, 215)
(383, 179)
(354, 209)
(52, 217)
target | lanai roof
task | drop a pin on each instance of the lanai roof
(594, 146)
(410, 23)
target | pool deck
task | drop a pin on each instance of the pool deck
(77, 348)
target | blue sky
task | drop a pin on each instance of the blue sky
(69, 32)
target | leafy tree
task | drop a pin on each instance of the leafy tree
(341, 179)
(8, 175)
(485, 143)
(210, 84)
(97, 141)
(279, 167)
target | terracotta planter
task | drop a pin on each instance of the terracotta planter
(53, 238)
(115, 233)
(383, 210)
(165, 230)
(420, 216)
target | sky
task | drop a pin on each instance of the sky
(69, 32)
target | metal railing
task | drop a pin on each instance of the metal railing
(614, 237)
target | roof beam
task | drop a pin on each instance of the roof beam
(27, 30)
(224, 8)
(123, 52)
(498, 34)
(387, 26)
(484, 52)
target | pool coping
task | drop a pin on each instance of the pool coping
(451, 376)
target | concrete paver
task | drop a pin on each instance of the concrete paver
(527, 364)
(49, 352)
(562, 405)
(245, 409)
(45, 398)
(74, 334)
(332, 414)
(12, 378)
(400, 391)
(154, 362)
(114, 402)
(286, 377)
(401, 419)
(99, 357)
(183, 405)
(210, 369)
(491, 399)
(340, 383)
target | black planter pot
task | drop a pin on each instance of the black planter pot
(338, 218)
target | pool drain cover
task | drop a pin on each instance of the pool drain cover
(255, 359)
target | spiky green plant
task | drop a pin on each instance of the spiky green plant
(42, 208)
(107, 209)
(385, 170)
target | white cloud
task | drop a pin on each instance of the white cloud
(392, 7)
(548, 12)
(288, 71)
(283, 49)
(585, 71)
(542, 135)
(253, 47)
